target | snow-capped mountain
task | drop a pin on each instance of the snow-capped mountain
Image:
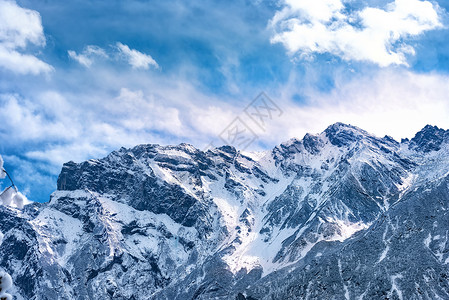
(338, 215)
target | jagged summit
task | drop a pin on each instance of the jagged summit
(342, 214)
(344, 126)
(337, 135)
(430, 138)
(333, 131)
(340, 134)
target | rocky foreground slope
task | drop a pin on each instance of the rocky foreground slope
(339, 215)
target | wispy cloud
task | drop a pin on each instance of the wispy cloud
(136, 59)
(373, 34)
(87, 56)
(20, 27)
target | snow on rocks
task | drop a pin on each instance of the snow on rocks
(5, 284)
(11, 196)
(5, 296)
(2, 171)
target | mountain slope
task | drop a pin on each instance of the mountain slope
(338, 215)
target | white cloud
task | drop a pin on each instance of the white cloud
(87, 56)
(136, 59)
(24, 120)
(58, 154)
(91, 122)
(66, 127)
(371, 34)
(20, 27)
(398, 104)
(73, 127)
(22, 63)
(134, 109)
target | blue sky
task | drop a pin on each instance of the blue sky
(82, 78)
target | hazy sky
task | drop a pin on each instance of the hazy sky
(79, 79)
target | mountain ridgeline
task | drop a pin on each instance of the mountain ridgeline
(338, 215)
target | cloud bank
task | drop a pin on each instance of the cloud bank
(372, 34)
(397, 104)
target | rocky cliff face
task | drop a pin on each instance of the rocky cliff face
(339, 215)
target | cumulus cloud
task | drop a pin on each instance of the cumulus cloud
(20, 27)
(136, 59)
(87, 56)
(374, 34)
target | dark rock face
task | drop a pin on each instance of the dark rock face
(312, 144)
(340, 134)
(16, 248)
(118, 175)
(429, 139)
(339, 215)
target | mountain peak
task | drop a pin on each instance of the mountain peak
(429, 139)
(341, 125)
(341, 134)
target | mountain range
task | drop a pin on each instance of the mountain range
(338, 215)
